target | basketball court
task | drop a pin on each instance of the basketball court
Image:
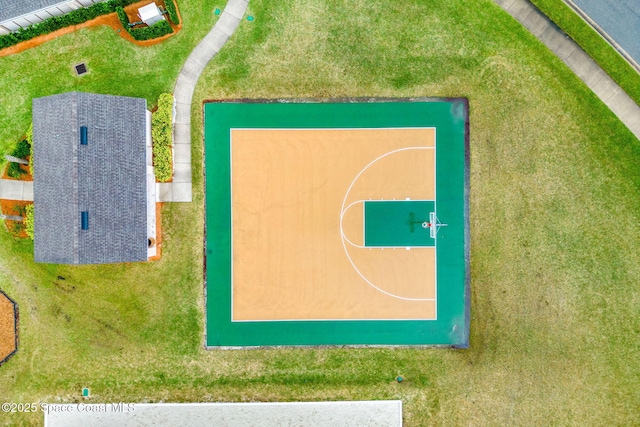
(336, 223)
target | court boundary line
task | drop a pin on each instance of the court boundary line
(231, 214)
(433, 147)
(341, 129)
(334, 320)
(435, 211)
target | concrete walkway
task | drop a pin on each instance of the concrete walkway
(577, 60)
(180, 190)
(16, 190)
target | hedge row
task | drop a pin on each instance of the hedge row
(50, 25)
(28, 220)
(173, 13)
(158, 29)
(161, 135)
(29, 138)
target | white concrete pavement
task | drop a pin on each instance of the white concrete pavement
(379, 413)
(180, 189)
(16, 190)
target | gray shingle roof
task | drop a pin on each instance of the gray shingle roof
(106, 178)
(14, 8)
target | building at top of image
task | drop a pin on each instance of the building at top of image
(16, 14)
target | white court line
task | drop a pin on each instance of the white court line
(343, 237)
(384, 319)
(231, 212)
(316, 129)
(343, 210)
(435, 210)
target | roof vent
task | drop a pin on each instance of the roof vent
(80, 68)
(83, 135)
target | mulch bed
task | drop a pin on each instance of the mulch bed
(8, 321)
(25, 177)
(11, 207)
(158, 234)
(110, 20)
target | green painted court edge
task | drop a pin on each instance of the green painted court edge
(448, 116)
(397, 223)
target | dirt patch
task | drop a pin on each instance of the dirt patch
(8, 329)
(17, 208)
(110, 20)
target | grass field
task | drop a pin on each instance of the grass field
(554, 214)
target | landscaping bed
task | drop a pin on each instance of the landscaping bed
(15, 208)
(110, 20)
(25, 176)
(8, 330)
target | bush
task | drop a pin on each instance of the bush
(124, 19)
(15, 171)
(22, 150)
(161, 135)
(158, 29)
(18, 226)
(29, 139)
(28, 221)
(173, 13)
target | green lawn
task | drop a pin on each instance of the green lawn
(554, 213)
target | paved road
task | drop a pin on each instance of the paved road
(618, 18)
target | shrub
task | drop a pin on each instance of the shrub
(29, 139)
(173, 13)
(124, 19)
(113, 4)
(18, 226)
(15, 171)
(28, 221)
(161, 128)
(158, 29)
(22, 150)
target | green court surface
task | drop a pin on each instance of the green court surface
(397, 223)
(449, 117)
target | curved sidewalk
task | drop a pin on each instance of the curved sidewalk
(180, 190)
(577, 60)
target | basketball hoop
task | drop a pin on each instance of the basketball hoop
(434, 225)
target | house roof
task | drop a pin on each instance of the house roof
(14, 8)
(105, 178)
